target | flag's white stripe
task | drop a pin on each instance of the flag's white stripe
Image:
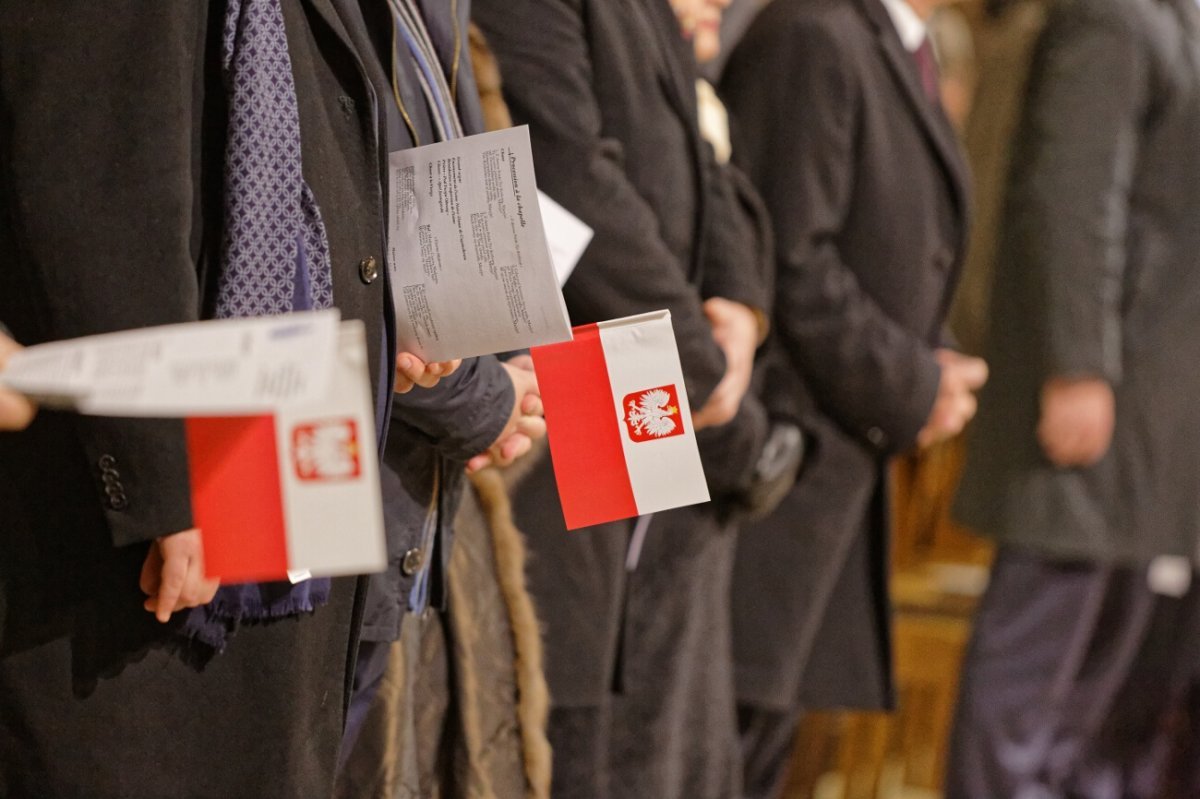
(322, 535)
(640, 354)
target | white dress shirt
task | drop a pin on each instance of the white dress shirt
(911, 28)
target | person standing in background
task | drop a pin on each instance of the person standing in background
(837, 120)
(636, 612)
(1081, 465)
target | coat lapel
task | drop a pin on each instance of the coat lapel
(679, 85)
(936, 126)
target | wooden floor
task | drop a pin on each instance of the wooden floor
(940, 570)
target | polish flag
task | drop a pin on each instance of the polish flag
(293, 491)
(617, 416)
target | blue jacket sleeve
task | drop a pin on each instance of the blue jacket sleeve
(465, 413)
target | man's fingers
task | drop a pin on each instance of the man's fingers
(514, 447)
(973, 372)
(447, 368)
(533, 427)
(479, 462)
(174, 575)
(192, 593)
(410, 371)
(531, 405)
(151, 571)
(16, 412)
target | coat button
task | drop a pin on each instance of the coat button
(107, 462)
(118, 501)
(414, 559)
(368, 269)
(876, 437)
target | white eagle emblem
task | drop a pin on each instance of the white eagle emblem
(651, 414)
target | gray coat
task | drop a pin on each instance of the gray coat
(1097, 275)
(865, 182)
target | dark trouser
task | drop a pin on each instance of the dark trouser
(581, 740)
(1072, 672)
(368, 676)
(767, 740)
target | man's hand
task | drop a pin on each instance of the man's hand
(173, 575)
(955, 405)
(526, 423)
(16, 412)
(735, 329)
(412, 371)
(1077, 421)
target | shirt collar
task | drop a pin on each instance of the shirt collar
(908, 24)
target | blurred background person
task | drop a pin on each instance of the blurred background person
(838, 121)
(1005, 34)
(636, 612)
(1078, 465)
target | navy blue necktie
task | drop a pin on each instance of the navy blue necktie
(274, 255)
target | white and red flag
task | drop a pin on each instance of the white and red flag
(617, 414)
(293, 491)
(280, 431)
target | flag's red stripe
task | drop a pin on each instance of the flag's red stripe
(237, 501)
(585, 437)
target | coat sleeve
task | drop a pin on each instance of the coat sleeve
(738, 247)
(1081, 135)
(100, 221)
(797, 139)
(464, 414)
(628, 267)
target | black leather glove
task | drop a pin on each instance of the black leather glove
(775, 472)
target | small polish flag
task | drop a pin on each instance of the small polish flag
(293, 491)
(617, 415)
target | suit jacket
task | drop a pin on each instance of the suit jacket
(110, 218)
(864, 179)
(1096, 276)
(608, 89)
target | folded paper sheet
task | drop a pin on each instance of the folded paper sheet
(470, 269)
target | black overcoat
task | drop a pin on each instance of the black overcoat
(865, 183)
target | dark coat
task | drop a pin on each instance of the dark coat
(1097, 275)
(111, 144)
(864, 180)
(608, 89)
